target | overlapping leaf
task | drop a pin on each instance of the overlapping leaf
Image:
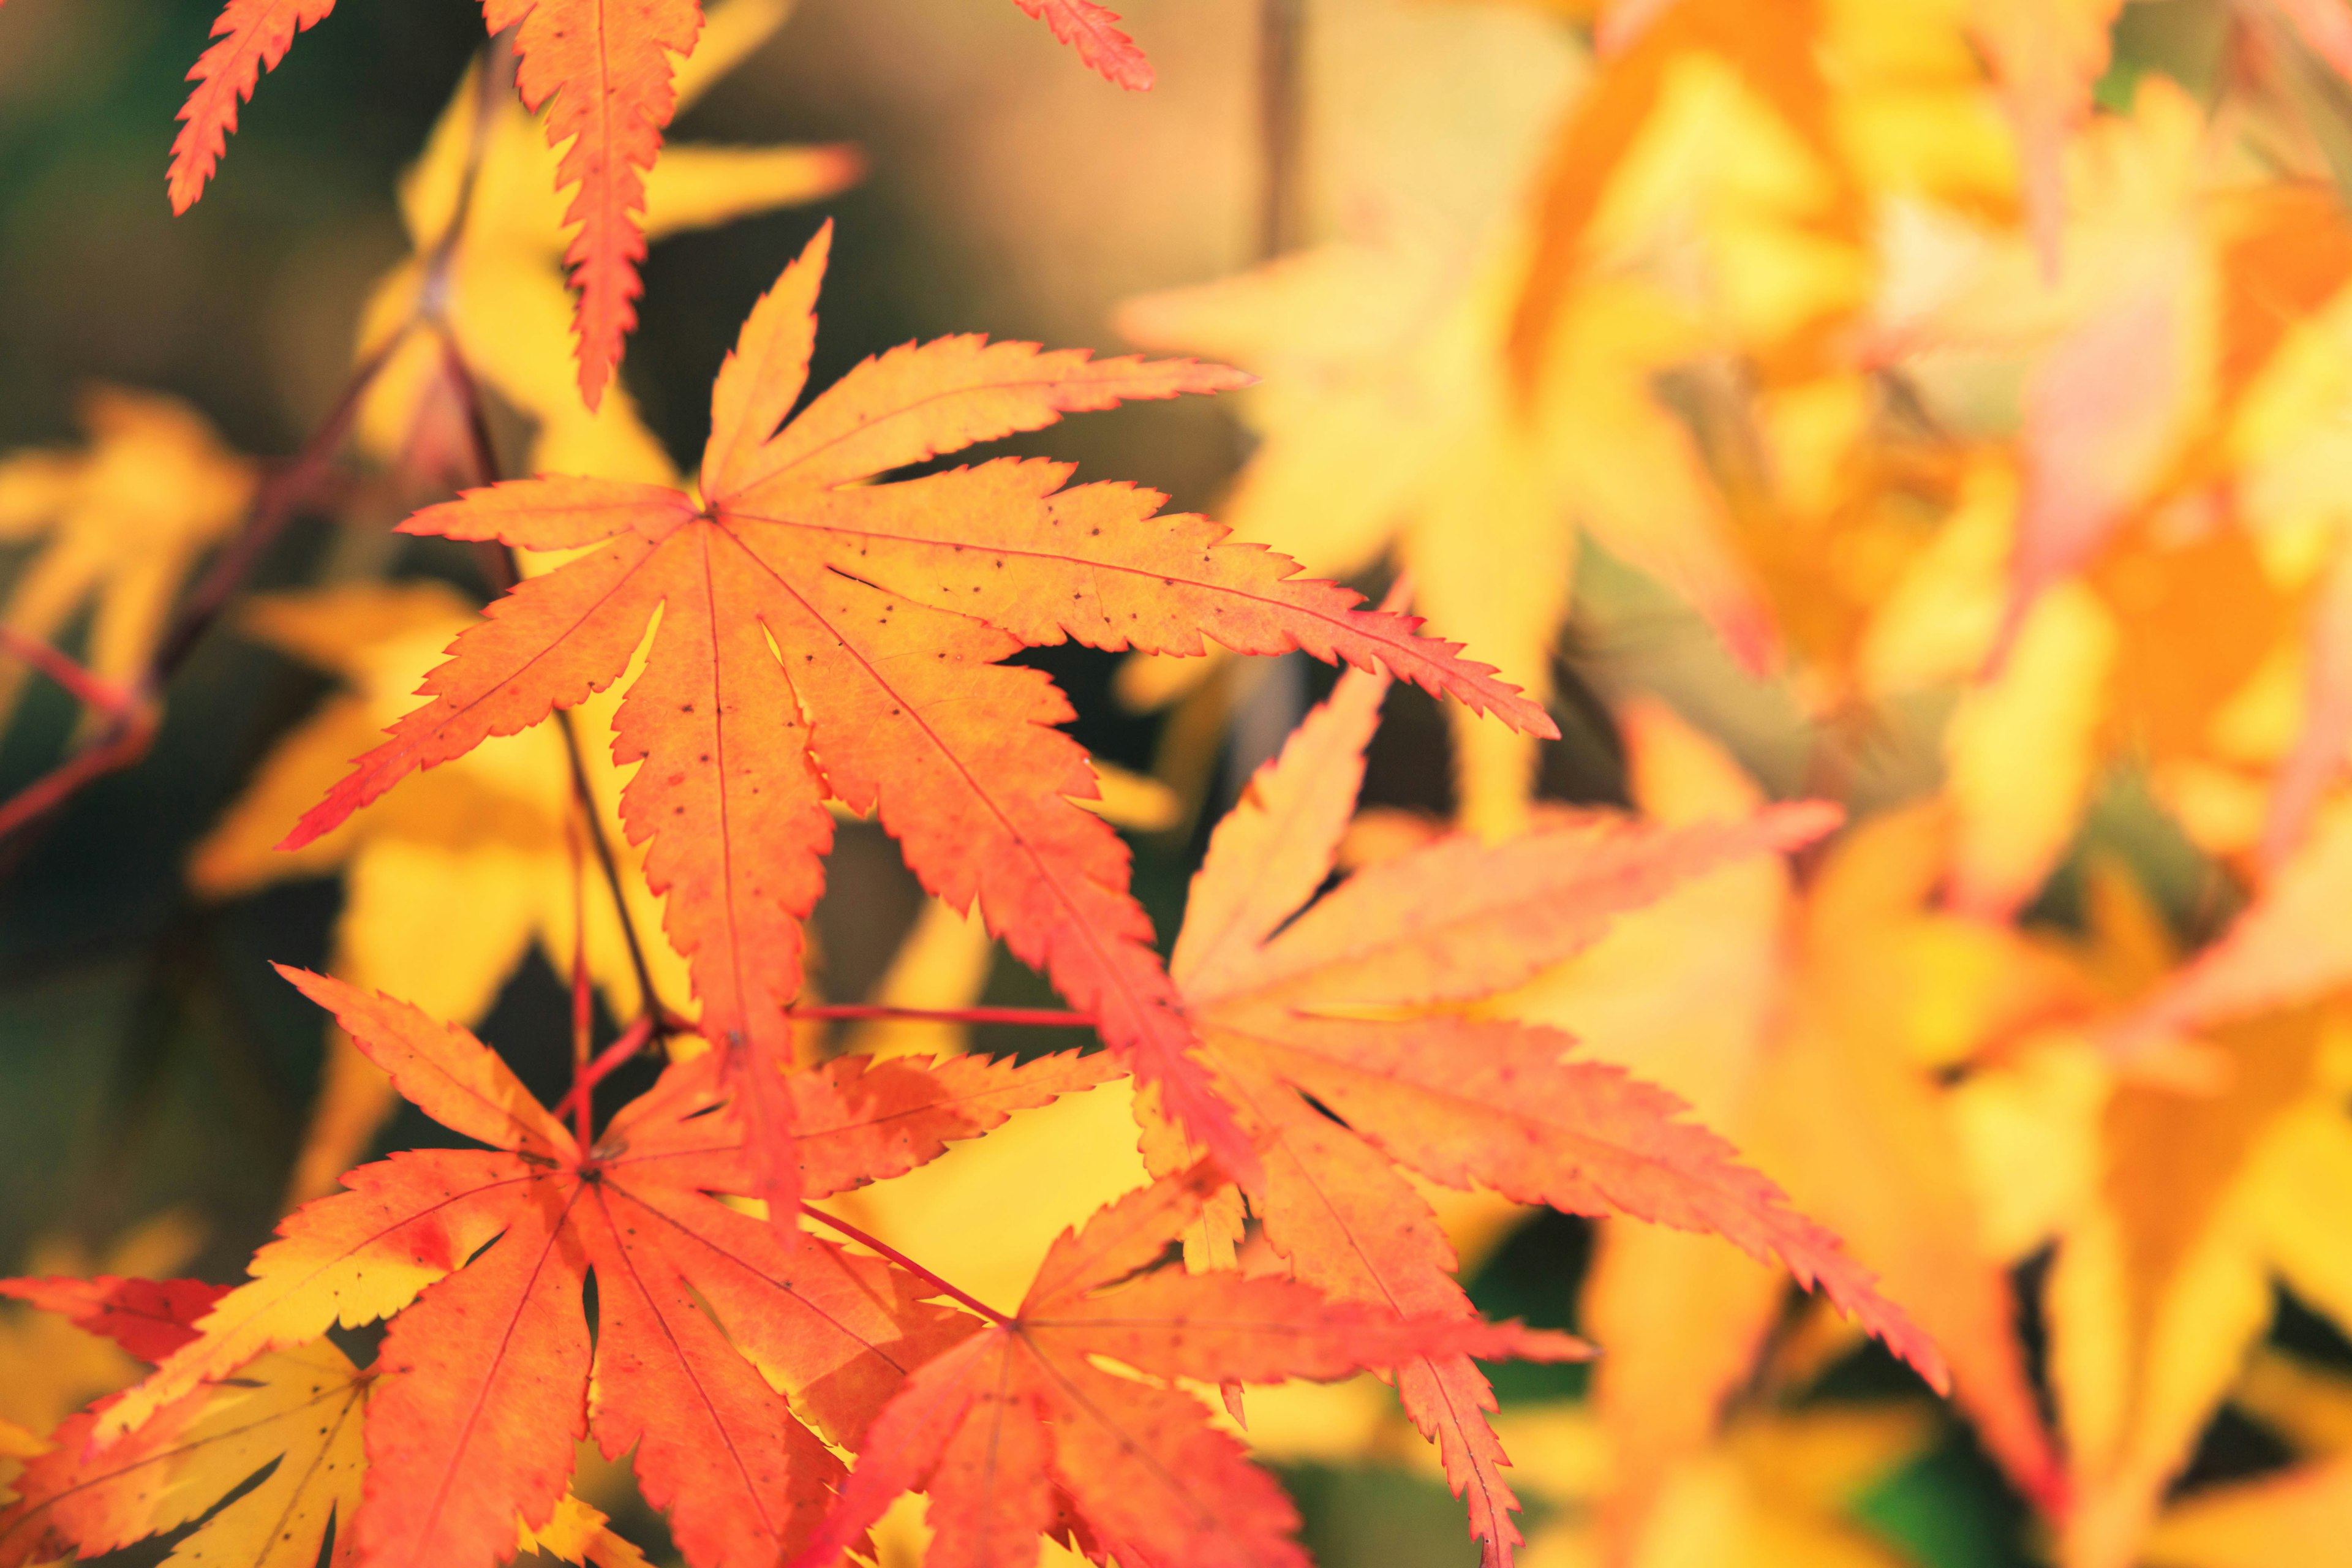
(1341, 1037)
(149, 1318)
(1016, 1433)
(294, 1414)
(483, 1385)
(604, 73)
(821, 637)
(485, 224)
(1807, 1027)
(266, 1463)
(450, 880)
(605, 65)
(1093, 31)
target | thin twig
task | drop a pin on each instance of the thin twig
(88, 687)
(583, 1001)
(125, 741)
(117, 747)
(506, 570)
(650, 997)
(1031, 1017)
(609, 1060)
(274, 507)
(907, 1263)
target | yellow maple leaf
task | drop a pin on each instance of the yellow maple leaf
(48, 1367)
(450, 881)
(289, 1423)
(460, 869)
(1484, 392)
(1808, 1029)
(496, 288)
(2208, 1192)
(115, 527)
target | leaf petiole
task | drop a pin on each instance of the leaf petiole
(907, 1263)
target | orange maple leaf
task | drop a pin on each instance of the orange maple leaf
(485, 1384)
(820, 635)
(252, 37)
(604, 63)
(1093, 31)
(70, 1500)
(1327, 1032)
(607, 67)
(1015, 1432)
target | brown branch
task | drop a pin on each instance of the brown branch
(1282, 118)
(114, 748)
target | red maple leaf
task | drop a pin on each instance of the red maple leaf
(1093, 31)
(148, 1318)
(1017, 1432)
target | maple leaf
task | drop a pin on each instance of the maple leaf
(605, 71)
(149, 1318)
(253, 36)
(483, 1383)
(485, 224)
(1017, 1423)
(295, 1413)
(2193, 1199)
(1386, 431)
(985, 1213)
(1344, 1004)
(889, 608)
(1803, 1026)
(266, 1462)
(497, 826)
(1450, 401)
(448, 885)
(49, 1368)
(119, 524)
(604, 65)
(2048, 57)
(1093, 31)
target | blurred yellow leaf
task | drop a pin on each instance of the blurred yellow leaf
(451, 879)
(496, 284)
(115, 527)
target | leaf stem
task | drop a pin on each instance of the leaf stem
(504, 569)
(125, 741)
(1032, 1017)
(122, 743)
(907, 1263)
(584, 1000)
(608, 1061)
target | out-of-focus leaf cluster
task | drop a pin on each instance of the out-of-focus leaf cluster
(1934, 405)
